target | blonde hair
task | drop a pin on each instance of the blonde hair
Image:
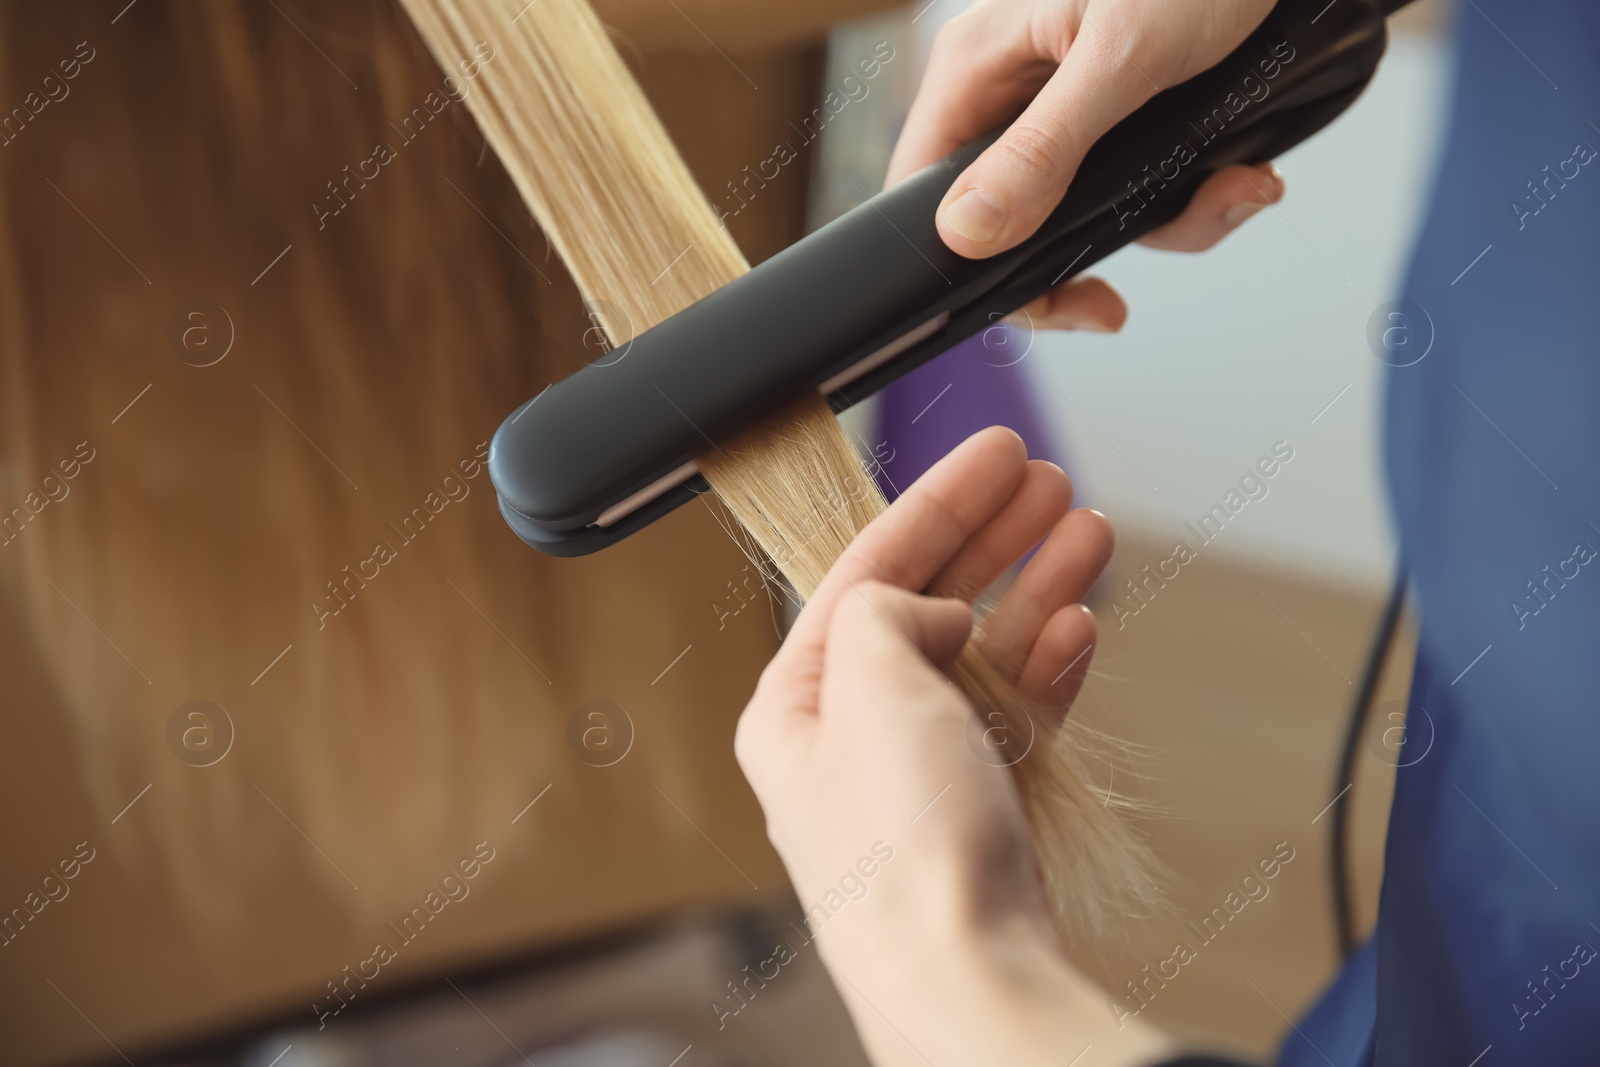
(391, 341)
(605, 183)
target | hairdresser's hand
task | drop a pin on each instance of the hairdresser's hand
(909, 852)
(1084, 65)
(952, 533)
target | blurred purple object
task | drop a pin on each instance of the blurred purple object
(977, 384)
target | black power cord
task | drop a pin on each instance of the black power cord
(1339, 835)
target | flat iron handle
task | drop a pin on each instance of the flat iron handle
(1289, 79)
(876, 292)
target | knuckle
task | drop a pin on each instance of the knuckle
(884, 568)
(954, 34)
(1033, 150)
(746, 746)
(1116, 34)
(852, 609)
(1052, 29)
(1121, 43)
(947, 46)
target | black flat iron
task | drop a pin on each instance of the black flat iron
(876, 293)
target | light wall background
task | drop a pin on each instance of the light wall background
(1229, 352)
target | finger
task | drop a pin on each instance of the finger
(1030, 514)
(884, 648)
(981, 70)
(1006, 193)
(910, 542)
(772, 734)
(922, 531)
(935, 628)
(1059, 574)
(882, 697)
(1059, 661)
(1221, 204)
(1081, 304)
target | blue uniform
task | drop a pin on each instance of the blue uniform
(1489, 919)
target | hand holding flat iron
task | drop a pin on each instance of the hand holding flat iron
(1075, 68)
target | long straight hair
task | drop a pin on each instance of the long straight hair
(605, 183)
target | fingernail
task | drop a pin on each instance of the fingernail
(1239, 212)
(1082, 319)
(1087, 325)
(1278, 184)
(975, 215)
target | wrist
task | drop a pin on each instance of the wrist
(991, 991)
(1042, 1010)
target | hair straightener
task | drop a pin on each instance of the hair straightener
(876, 293)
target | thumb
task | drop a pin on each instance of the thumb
(1003, 196)
(879, 630)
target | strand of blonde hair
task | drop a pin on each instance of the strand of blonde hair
(605, 183)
